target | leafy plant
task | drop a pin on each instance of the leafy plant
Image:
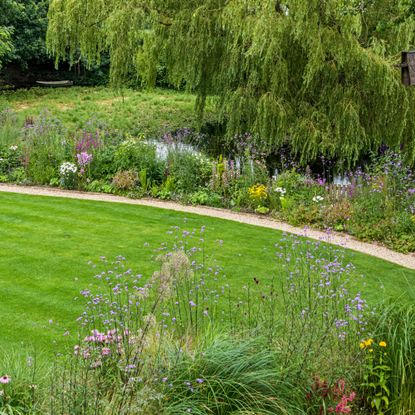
(138, 155)
(125, 180)
(376, 375)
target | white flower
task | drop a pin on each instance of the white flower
(13, 148)
(68, 168)
(318, 199)
(280, 190)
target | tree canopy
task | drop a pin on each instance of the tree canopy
(5, 44)
(26, 23)
(316, 75)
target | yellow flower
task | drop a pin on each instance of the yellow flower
(369, 342)
(258, 192)
(366, 343)
(382, 344)
(370, 350)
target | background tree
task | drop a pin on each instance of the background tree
(5, 44)
(26, 59)
(26, 21)
(316, 76)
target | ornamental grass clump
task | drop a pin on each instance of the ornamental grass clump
(231, 376)
(9, 128)
(23, 382)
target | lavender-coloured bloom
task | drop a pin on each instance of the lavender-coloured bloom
(341, 323)
(84, 158)
(106, 351)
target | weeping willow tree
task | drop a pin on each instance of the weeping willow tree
(317, 76)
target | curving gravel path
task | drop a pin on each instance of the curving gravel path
(335, 238)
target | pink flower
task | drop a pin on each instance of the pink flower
(342, 409)
(5, 379)
(105, 351)
(84, 158)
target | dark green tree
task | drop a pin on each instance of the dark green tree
(26, 21)
(314, 75)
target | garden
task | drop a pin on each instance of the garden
(97, 153)
(290, 111)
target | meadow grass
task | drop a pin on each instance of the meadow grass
(47, 242)
(151, 113)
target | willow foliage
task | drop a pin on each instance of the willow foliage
(5, 43)
(315, 75)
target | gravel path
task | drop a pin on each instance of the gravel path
(407, 261)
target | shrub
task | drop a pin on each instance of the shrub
(205, 197)
(302, 214)
(10, 158)
(337, 213)
(125, 180)
(137, 155)
(189, 171)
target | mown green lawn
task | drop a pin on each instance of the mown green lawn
(151, 113)
(45, 244)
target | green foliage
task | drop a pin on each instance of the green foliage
(205, 197)
(188, 171)
(237, 377)
(376, 372)
(28, 373)
(125, 180)
(396, 326)
(5, 43)
(138, 155)
(9, 128)
(45, 148)
(315, 75)
(26, 22)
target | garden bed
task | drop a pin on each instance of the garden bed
(374, 204)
